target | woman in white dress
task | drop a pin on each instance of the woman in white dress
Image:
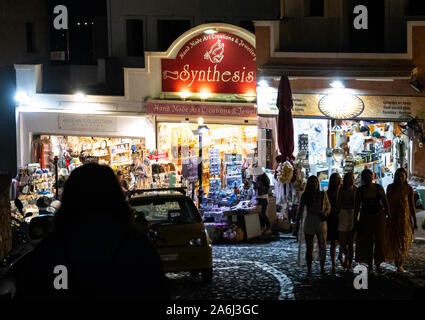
(314, 223)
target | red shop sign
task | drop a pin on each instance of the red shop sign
(217, 110)
(158, 156)
(215, 63)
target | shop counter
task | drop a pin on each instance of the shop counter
(247, 220)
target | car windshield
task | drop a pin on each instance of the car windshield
(177, 211)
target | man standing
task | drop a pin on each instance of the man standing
(357, 140)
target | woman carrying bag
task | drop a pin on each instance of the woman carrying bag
(371, 202)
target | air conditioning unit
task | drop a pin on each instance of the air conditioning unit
(57, 56)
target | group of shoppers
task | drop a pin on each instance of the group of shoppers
(381, 225)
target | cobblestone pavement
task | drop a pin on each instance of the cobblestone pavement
(268, 271)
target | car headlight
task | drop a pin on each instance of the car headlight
(196, 242)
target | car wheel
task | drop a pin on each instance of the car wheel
(207, 274)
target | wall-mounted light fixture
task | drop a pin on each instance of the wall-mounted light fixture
(184, 94)
(337, 84)
(414, 82)
(204, 95)
(80, 96)
(210, 31)
(22, 97)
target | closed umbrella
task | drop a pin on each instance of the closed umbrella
(285, 126)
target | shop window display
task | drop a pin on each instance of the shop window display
(125, 154)
(179, 141)
(325, 146)
(228, 154)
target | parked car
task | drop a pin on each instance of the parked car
(176, 229)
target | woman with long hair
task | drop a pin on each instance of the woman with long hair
(317, 208)
(372, 205)
(346, 201)
(332, 236)
(105, 256)
(402, 223)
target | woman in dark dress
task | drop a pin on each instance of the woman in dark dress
(335, 182)
(372, 204)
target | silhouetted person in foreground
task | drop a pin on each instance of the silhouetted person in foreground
(105, 256)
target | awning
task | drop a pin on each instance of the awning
(335, 71)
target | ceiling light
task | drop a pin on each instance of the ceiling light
(21, 97)
(204, 95)
(337, 84)
(263, 83)
(184, 94)
(210, 31)
(79, 96)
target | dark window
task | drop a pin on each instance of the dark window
(134, 38)
(170, 30)
(373, 38)
(30, 28)
(416, 7)
(86, 39)
(314, 8)
(81, 41)
(248, 25)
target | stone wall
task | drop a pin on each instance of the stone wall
(5, 229)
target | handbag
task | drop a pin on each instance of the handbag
(323, 217)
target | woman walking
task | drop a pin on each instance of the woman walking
(346, 201)
(402, 223)
(332, 236)
(317, 208)
(372, 204)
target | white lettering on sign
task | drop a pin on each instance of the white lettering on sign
(209, 75)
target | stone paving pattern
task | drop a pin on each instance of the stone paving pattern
(268, 271)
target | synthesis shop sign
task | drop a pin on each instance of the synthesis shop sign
(239, 111)
(214, 63)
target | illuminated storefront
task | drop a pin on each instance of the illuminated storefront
(207, 74)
